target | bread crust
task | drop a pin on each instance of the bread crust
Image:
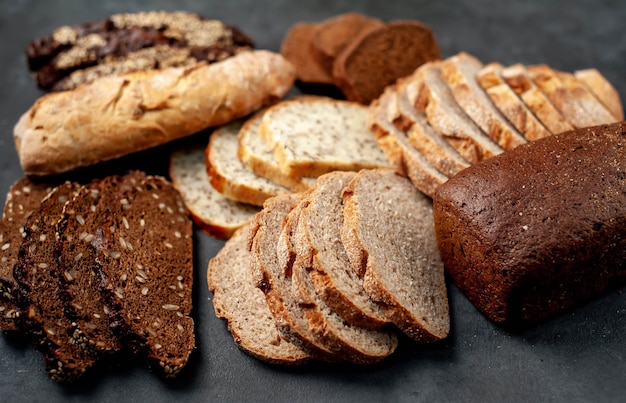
(118, 115)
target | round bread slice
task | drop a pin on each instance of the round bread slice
(213, 213)
(391, 224)
(236, 299)
(228, 174)
(380, 56)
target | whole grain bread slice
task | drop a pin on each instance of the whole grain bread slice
(228, 174)
(511, 106)
(236, 299)
(460, 72)
(429, 93)
(212, 212)
(22, 199)
(391, 225)
(516, 76)
(342, 140)
(42, 309)
(603, 90)
(145, 263)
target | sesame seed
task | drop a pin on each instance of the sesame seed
(177, 234)
(71, 211)
(144, 291)
(92, 208)
(152, 333)
(140, 279)
(179, 278)
(156, 196)
(43, 265)
(97, 315)
(143, 274)
(124, 201)
(139, 266)
(78, 257)
(179, 314)
(169, 210)
(161, 206)
(26, 189)
(62, 199)
(180, 328)
(125, 221)
(68, 276)
(115, 254)
(6, 246)
(80, 219)
(169, 245)
(123, 277)
(119, 293)
(158, 346)
(170, 307)
(82, 235)
(142, 222)
(89, 238)
(42, 237)
(50, 332)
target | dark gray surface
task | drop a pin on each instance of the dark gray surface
(579, 356)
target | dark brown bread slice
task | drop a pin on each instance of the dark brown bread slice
(43, 312)
(145, 258)
(333, 35)
(538, 229)
(380, 56)
(389, 224)
(23, 197)
(130, 42)
(236, 299)
(83, 215)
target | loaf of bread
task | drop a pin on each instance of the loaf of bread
(118, 115)
(539, 229)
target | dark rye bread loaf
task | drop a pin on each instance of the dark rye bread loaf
(144, 252)
(43, 312)
(80, 282)
(23, 197)
(72, 55)
(540, 229)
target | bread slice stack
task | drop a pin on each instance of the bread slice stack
(450, 114)
(340, 268)
(275, 151)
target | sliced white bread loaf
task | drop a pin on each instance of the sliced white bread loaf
(259, 158)
(586, 98)
(511, 106)
(391, 224)
(215, 214)
(429, 93)
(603, 90)
(339, 129)
(236, 299)
(228, 174)
(460, 72)
(517, 78)
(321, 252)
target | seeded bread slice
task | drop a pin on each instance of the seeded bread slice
(144, 252)
(517, 78)
(228, 174)
(509, 103)
(236, 299)
(342, 140)
(391, 224)
(214, 213)
(579, 107)
(321, 253)
(42, 309)
(23, 197)
(460, 72)
(255, 154)
(603, 90)
(429, 93)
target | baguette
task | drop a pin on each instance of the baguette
(118, 115)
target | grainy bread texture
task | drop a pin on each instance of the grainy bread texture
(342, 140)
(229, 175)
(459, 72)
(236, 299)
(118, 115)
(23, 197)
(380, 56)
(215, 214)
(603, 90)
(42, 309)
(145, 263)
(391, 225)
(521, 258)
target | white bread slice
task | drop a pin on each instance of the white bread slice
(511, 106)
(460, 72)
(237, 300)
(579, 107)
(214, 214)
(603, 90)
(517, 78)
(391, 224)
(341, 139)
(429, 93)
(228, 174)
(319, 252)
(259, 158)
(586, 98)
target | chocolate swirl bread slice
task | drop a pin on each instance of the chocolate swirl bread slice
(123, 43)
(144, 252)
(23, 197)
(43, 311)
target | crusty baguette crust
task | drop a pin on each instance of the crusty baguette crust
(118, 115)
(603, 90)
